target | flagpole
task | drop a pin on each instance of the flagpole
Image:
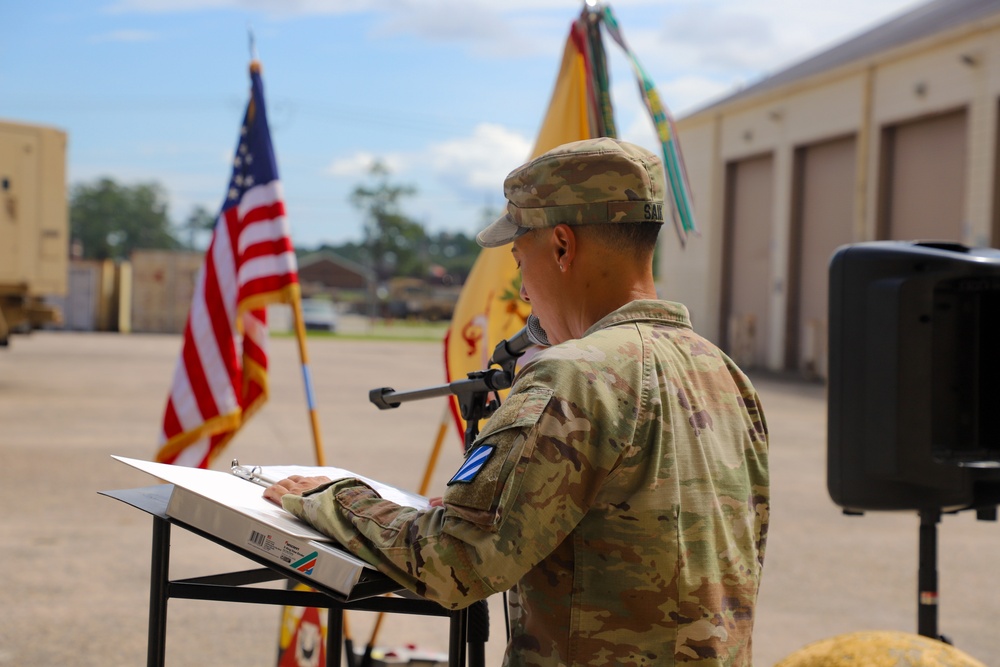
(253, 43)
(300, 335)
(436, 450)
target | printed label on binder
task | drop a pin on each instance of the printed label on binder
(262, 542)
(291, 554)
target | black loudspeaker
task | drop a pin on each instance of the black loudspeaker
(914, 377)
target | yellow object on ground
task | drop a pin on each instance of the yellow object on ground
(879, 649)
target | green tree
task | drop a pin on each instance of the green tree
(394, 243)
(112, 220)
(199, 220)
(454, 251)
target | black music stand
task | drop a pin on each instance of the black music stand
(468, 630)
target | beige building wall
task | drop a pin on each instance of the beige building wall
(955, 70)
(693, 276)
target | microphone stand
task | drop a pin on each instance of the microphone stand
(475, 403)
(473, 394)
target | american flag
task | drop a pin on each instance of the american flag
(221, 376)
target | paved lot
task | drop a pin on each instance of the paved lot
(76, 564)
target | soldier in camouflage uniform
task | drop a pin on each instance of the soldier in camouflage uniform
(621, 490)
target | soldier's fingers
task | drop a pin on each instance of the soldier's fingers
(274, 493)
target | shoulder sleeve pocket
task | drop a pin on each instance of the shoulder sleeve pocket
(473, 493)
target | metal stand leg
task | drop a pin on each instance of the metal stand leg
(156, 647)
(458, 633)
(927, 577)
(479, 633)
(470, 630)
(334, 636)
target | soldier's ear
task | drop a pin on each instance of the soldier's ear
(563, 244)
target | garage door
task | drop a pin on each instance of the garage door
(923, 188)
(823, 222)
(750, 212)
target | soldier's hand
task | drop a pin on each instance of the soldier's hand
(296, 484)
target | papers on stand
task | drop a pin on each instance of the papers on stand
(398, 496)
(234, 511)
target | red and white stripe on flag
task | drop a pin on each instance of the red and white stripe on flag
(221, 375)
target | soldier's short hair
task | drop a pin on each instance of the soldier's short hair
(638, 239)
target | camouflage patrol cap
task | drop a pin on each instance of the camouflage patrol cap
(584, 182)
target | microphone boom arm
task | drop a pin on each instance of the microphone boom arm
(472, 396)
(480, 382)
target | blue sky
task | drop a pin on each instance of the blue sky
(449, 94)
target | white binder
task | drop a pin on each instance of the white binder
(234, 511)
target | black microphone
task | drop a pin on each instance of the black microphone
(516, 345)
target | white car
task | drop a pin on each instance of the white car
(319, 315)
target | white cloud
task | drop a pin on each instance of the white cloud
(687, 93)
(444, 21)
(479, 162)
(489, 29)
(165, 6)
(739, 42)
(512, 29)
(312, 7)
(454, 178)
(360, 163)
(125, 36)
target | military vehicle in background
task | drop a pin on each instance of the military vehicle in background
(34, 226)
(417, 298)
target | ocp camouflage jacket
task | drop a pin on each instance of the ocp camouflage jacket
(621, 491)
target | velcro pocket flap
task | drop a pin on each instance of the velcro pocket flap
(508, 434)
